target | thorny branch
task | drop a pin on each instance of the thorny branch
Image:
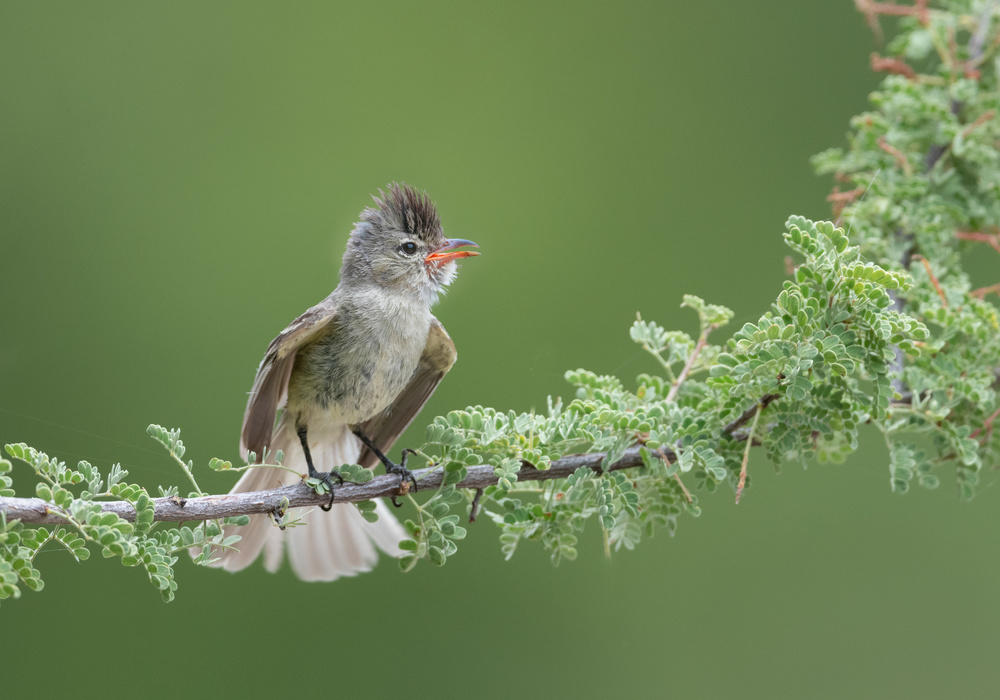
(174, 509)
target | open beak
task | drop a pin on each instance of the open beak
(447, 252)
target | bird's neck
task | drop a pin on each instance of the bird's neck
(395, 307)
(413, 301)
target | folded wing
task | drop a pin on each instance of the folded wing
(270, 387)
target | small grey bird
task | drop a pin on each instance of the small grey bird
(349, 375)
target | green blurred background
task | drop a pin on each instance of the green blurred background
(178, 181)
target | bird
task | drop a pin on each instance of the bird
(343, 381)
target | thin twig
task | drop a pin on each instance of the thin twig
(730, 429)
(980, 120)
(676, 387)
(992, 239)
(983, 291)
(838, 200)
(687, 494)
(897, 154)
(474, 510)
(746, 456)
(677, 476)
(934, 279)
(892, 65)
(918, 9)
(702, 341)
(872, 10)
(987, 425)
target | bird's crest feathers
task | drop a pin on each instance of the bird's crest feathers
(404, 208)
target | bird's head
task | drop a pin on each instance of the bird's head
(399, 244)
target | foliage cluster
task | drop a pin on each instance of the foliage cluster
(926, 159)
(76, 494)
(878, 324)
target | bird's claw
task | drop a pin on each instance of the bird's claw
(405, 479)
(393, 468)
(404, 473)
(324, 478)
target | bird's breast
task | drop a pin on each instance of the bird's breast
(359, 365)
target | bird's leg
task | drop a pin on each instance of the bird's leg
(324, 477)
(390, 466)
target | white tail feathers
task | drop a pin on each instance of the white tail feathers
(325, 546)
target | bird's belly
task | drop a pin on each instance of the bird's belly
(351, 382)
(367, 397)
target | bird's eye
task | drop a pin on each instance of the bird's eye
(408, 248)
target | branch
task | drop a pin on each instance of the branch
(174, 509)
(731, 429)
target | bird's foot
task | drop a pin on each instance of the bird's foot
(391, 467)
(326, 479)
(405, 475)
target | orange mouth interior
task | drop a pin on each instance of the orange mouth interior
(443, 256)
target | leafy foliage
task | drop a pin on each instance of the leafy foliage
(818, 363)
(76, 495)
(878, 324)
(927, 155)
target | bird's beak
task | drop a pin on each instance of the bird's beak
(447, 252)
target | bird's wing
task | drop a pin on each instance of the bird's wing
(383, 429)
(270, 388)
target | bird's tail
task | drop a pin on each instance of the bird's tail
(324, 546)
